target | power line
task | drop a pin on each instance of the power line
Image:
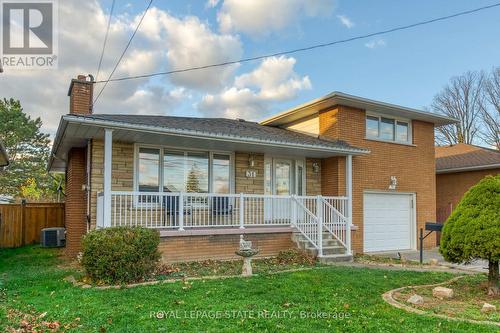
(123, 53)
(308, 48)
(105, 39)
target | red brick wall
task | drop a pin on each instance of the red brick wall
(450, 188)
(413, 165)
(76, 209)
(193, 248)
(80, 93)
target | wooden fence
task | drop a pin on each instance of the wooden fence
(21, 224)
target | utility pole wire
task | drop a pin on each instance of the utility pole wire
(123, 53)
(105, 39)
(308, 48)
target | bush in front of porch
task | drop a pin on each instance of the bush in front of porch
(120, 254)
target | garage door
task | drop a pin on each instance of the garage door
(387, 221)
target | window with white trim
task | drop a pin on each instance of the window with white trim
(182, 171)
(388, 129)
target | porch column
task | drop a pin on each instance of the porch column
(348, 190)
(108, 162)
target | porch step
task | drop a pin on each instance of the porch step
(331, 259)
(333, 250)
(328, 250)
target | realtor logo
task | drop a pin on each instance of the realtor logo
(29, 36)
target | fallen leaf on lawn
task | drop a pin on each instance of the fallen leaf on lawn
(346, 306)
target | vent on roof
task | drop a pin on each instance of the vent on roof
(240, 119)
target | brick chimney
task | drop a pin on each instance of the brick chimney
(81, 91)
(80, 103)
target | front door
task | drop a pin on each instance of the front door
(280, 182)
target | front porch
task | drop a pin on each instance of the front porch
(316, 219)
(167, 194)
(210, 177)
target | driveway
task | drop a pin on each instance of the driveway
(476, 266)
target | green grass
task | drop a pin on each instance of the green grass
(469, 296)
(286, 260)
(32, 281)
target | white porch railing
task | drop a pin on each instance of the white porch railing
(310, 215)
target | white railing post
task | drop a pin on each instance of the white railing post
(319, 214)
(108, 157)
(349, 203)
(294, 210)
(242, 211)
(181, 211)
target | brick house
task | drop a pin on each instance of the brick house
(337, 175)
(458, 167)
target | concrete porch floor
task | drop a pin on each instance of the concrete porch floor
(476, 266)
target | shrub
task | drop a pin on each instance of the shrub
(473, 229)
(120, 254)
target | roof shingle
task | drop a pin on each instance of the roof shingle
(226, 127)
(461, 156)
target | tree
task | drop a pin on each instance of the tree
(27, 147)
(490, 114)
(193, 183)
(30, 190)
(473, 229)
(462, 99)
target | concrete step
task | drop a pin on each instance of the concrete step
(326, 242)
(326, 236)
(327, 250)
(331, 259)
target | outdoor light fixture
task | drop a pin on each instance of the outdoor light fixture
(315, 167)
(251, 161)
(393, 183)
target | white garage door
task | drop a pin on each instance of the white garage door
(387, 221)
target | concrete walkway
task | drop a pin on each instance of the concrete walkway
(476, 266)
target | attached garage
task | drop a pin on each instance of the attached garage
(388, 221)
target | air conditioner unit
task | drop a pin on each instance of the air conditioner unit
(53, 237)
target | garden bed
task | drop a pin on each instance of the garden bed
(385, 261)
(288, 260)
(470, 293)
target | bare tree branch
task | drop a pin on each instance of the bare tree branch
(462, 99)
(490, 114)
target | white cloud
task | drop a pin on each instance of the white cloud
(273, 81)
(346, 21)
(373, 44)
(262, 17)
(163, 42)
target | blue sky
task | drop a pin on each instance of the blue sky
(407, 67)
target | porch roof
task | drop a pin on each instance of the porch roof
(185, 132)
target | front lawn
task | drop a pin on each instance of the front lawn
(469, 297)
(31, 282)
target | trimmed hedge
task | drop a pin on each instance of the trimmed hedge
(120, 254)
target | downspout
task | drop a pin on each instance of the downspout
(88, 186)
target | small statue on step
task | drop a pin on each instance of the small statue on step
(246, 252)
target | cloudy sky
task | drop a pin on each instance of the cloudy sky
(406, 68)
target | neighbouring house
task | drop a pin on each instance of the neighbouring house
(458, 167)
(336, 175)
(4, 158)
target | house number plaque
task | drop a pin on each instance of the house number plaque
(251, 173)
